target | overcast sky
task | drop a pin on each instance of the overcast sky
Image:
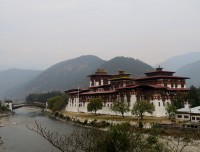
(39, 33)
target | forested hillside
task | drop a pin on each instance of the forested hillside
(73, 73)
(130, 65)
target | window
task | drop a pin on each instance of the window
(159, 104)
(179, 116)
(186, 116)
(193, 118)
(198, 118)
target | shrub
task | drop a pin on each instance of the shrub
(61, 116)
(67, 118)
(56, 114)
(85, 122)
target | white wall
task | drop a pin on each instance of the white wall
(160, 107)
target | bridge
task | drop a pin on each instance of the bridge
(34, 104)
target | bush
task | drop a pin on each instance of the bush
(4, 108)
(56, 114)
(104, 124)
(93, 122)
(85, 122)
(67, 118)
(61, 116)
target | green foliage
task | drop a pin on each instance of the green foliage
(42, 97)
(57, 103)
(56, 114)
(4, 108)
(120, 107)
(194, 96)
(179, 100)
(171, 110)
(95, 104)
(61, 116)
(141, 107)
(116, 139)
(123, 138)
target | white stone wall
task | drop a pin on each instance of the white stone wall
(83, 107)
(73, 105)
(159, 107)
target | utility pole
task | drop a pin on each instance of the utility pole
(78, 100)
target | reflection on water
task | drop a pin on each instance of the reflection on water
(17, 138)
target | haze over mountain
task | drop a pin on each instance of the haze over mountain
(14, 77)
(192, 71)
(176, 62)
(61, 76)
(71, 73)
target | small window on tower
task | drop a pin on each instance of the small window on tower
(159, 104)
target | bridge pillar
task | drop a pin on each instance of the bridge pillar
(8, 103)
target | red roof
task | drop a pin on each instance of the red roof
(136, 86)
(161, 76)
(158, 86)
(107, 75)
(178, 89)
(98, 92)
(128, 87)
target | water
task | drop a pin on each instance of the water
(17, 138)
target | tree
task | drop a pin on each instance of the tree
(57, 103)
(179, 100)
(171, 110)
(95, 104)
(120, 107)
(193, 97)
(141, 107)
(41, 97)
(119, 138)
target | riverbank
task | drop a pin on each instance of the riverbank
(8, 113)
(171, 136)
(103, 121)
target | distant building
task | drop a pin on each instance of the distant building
(158, 87)
(187, 114)
(8, 103)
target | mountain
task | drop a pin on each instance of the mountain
(62, 76)
(192, 71)
(176, 62)
(14, 77)
(127, 64)
(73, 73)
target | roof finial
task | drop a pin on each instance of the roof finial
(159, 68)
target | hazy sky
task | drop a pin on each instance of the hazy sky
(39, 33)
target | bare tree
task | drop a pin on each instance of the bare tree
(119, 138)
(81, 140)
(1, 142)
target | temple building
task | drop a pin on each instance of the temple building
(158, 87)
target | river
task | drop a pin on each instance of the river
(17, 138)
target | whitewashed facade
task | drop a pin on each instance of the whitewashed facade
(157, 87)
